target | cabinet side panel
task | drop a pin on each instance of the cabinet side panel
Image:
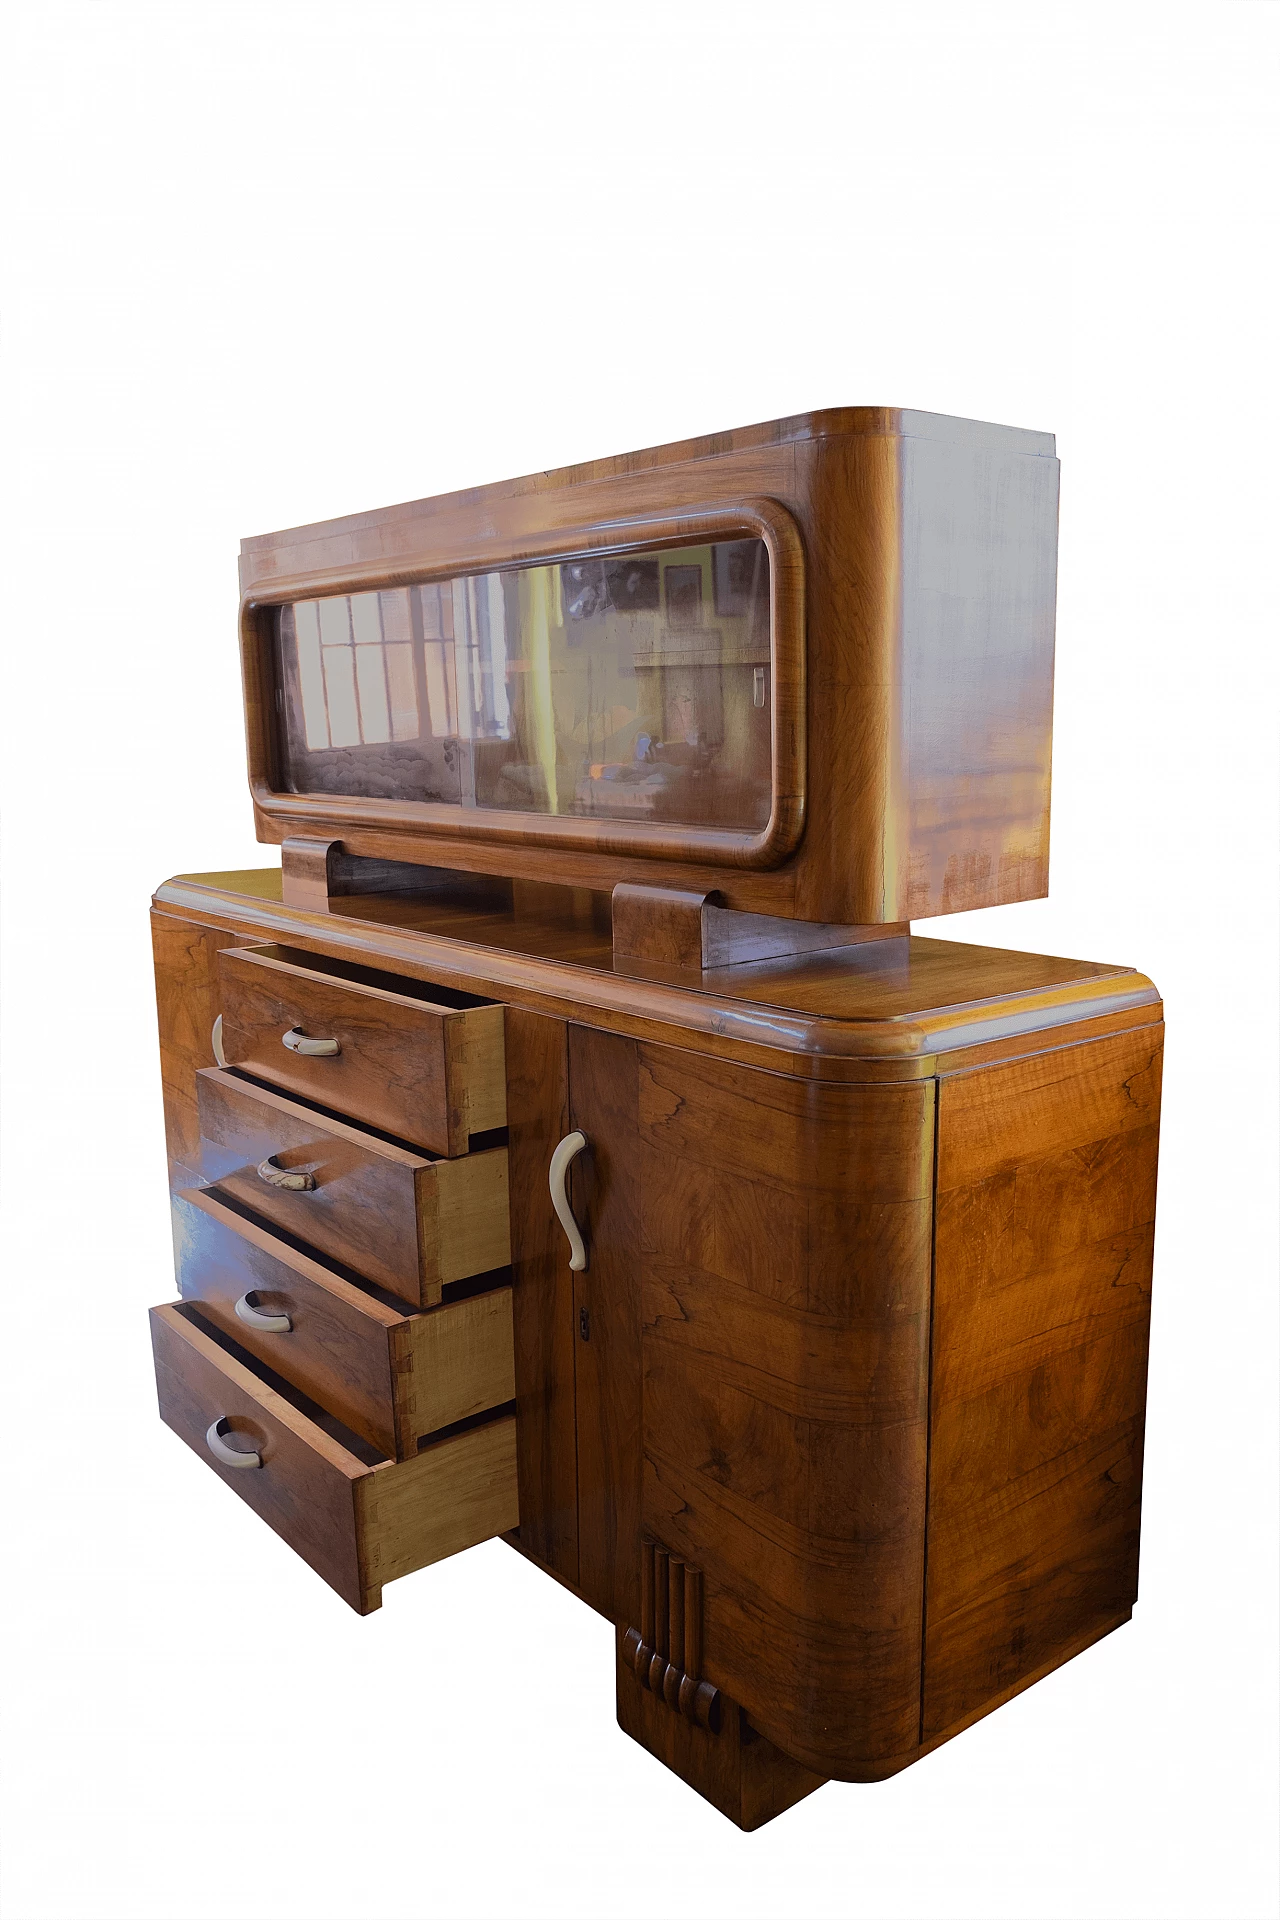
(542, 1292)
(1041, 1310)
(786, 1238)
(979, 577)
(188, 1001)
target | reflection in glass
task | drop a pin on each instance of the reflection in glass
(630, 688)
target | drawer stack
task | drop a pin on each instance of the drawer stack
(341, 1354)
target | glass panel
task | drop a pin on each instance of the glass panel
(636, 687)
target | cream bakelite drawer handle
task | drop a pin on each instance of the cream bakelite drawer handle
(568, 1150)
(281, 1177)
(218, 1054)
(259, 1321)
(225, 1455)
(299, 1042)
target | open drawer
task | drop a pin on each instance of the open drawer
(359, 1520)
(390, 1374)
(422, 1062)
(401, 1219)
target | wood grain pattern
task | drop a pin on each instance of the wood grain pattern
(913, 555)
(786, 1240)
(357, 1524)
(305, 1487)
(865, 1337)
(604, 1191)
(742, 1774)
(1045, 1211)
(391, 1375)
(430, 1073)
(188, 1001)
(453, 1494)
(658, 923)
(542, 1293)
(889, 1012)
(306, 868)
(405, 1222)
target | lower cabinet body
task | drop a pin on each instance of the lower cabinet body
(840, 1425)
(858, 1377)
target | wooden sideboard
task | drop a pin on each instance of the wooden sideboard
(571, 1143)
(841, 1422)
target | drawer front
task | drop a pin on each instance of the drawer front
(305, 1487)
(357, 1524)
(431, 1073)
(391, 1376)
(399, 1219)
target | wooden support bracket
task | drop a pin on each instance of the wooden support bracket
(661, 926)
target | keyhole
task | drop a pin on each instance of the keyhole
(584, 1324)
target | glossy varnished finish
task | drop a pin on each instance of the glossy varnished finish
(916, 553)
(886, 1009)
(605, 1189)
(858, 1358)
(188, 1001)
(426, 1071)
(786, 1323)
(742, 1774)
(1045, 1218)
(542, 1293)
(357, 1520)
(406, 1222)
(837, 1415)
(391, 1375)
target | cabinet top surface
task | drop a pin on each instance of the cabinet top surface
(826, 423)
(901, 999)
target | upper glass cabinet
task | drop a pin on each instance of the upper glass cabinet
(633, 687)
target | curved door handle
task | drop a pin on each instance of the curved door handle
(228, 1456)
(259, 1321)
(568, 1150)
(218, 1054)
(281, 1177)
(299, 1042)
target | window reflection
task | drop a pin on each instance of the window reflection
(632, 687)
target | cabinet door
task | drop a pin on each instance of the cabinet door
(603, 1094)
(543, 1313)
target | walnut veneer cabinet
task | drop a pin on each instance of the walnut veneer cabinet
(570, 1141)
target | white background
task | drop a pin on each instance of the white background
(267, 264)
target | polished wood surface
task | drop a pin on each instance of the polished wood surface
(664, 928)
(885, 1010)
(913, 563)
(419, 824)
(742, 1774)
(660, 924)
(306, 871)
(604, 1189)
(542, 1293)
(1046, 1192)
(359, 1522)
(406, 1222)
(427, 1071)
(188, 1001)
(391, 1375)
(841, 1426)
(786, 1238)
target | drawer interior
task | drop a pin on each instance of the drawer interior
(408, 1219)
(393, 1374)
(351, 973)
(426, 1063)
